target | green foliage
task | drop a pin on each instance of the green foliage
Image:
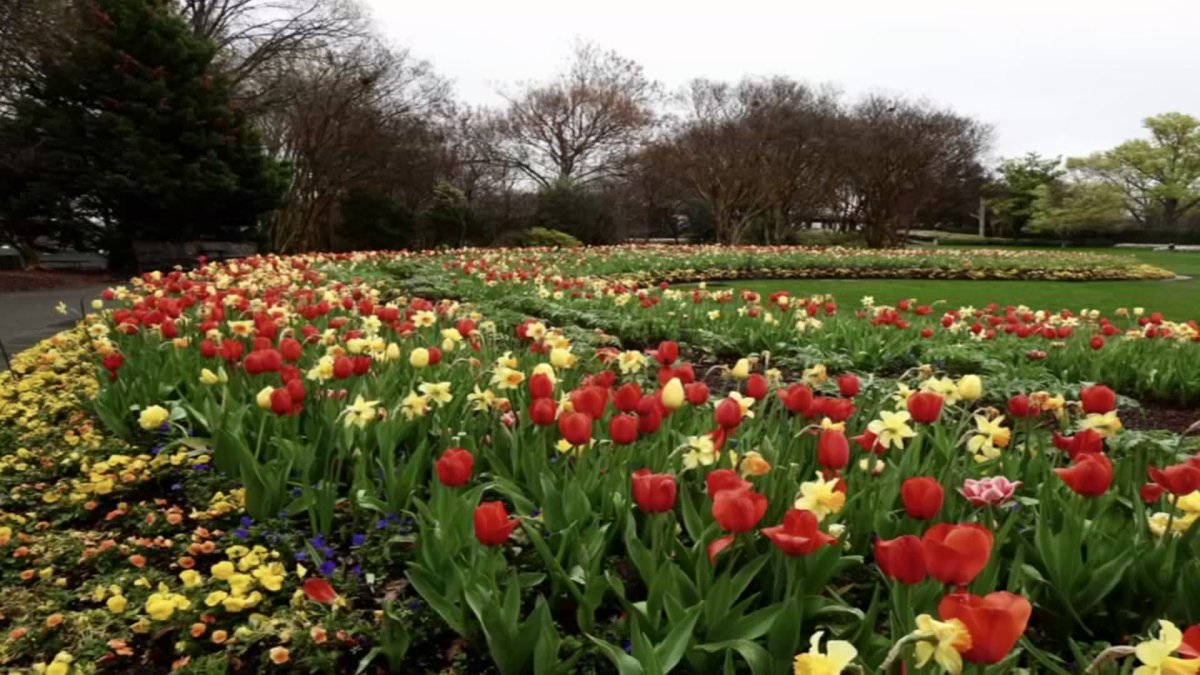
(1019, 184)
(1159, 178)
(129, 126)
(572, 209)
(449, 219)
(540, 236)
(371, 220)
(1077, 208)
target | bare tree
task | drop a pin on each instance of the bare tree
(358, 118)
(259, 41)
(30, 31)
(581, 126)
(897, 156)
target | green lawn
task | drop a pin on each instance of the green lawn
(1179, 300)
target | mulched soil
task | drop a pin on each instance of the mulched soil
(1161, 416)
(33, 280)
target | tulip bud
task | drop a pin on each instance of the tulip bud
(672, 394)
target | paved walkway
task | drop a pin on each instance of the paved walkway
(28, 316)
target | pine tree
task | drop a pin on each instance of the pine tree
(131, 127)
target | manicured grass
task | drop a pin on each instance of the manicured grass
(1178, 300)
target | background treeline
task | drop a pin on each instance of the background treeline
(293, 124)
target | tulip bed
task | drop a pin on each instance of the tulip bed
(462, 461)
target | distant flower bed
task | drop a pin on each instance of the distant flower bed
(302, 464)
(697, 263)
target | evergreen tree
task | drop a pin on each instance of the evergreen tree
(130, 128)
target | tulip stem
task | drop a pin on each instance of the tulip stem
(1110, 654)
(894, 652)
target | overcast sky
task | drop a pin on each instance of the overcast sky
(1060, 77)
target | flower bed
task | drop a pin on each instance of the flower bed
(281, 463)
(653, 264)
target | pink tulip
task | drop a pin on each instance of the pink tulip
(988, 491)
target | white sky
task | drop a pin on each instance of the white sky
(1060, 77)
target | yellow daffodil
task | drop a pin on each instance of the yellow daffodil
(630, 361)
(1155, 654)
(360, 412)
(414, 405)
(944, 386)
(944, 642)
(821, 497)
(1107, 424)
(507, 378)
(740, 370)
(892, 428)
(437, 392)
(990, 437)
(838, 655)
(701, 452)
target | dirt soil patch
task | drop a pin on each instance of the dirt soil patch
(34, 280)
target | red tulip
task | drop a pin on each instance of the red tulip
(654, 492)
(591, 400)
(623, 429)
(492, 524)
(724, 479)
(576, 427)
(1088, 441)
(799, 534)
(1019, 407)
(281, 401)
(343, 367)
(667, 352)
(1090, 474)
(956, 554)
(231, 350)
(797, 398)
(627, 397)
(716, 546)
(756, 387)
(543, 411)
(922, 496)
(650, 414)
(729, 414)
(849, 385)
(454, 467)
(833, 450)
(995, 621)
(1191, 643)
(685, 373)
(1152, 492)
(696, 393)
(738, 510)
(319, 590)
(1096, 342)
(291, 349)
(1179, 479)
(295, 387)
(1098, 399)
(113, 360)
(925, 406)
(541, 386)
(902, 558)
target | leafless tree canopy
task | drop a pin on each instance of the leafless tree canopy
(358, 119)
(580, 126)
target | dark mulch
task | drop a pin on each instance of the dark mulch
(1161, 416)
(33, 280)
